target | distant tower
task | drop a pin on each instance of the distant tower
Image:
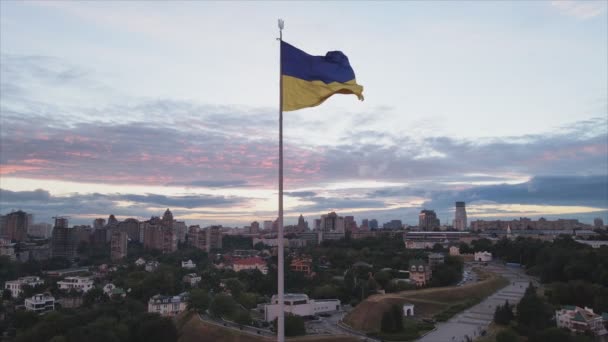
(598, 222)
(460, 217)
(112, 221)
(168, 218)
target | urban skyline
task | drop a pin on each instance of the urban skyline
(80, 123)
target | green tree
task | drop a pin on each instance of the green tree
(397, 313)
(503, 314)
(243, 317)
(387, 324)
(533, 313)
(248, 299)
(222, 305)
(294, 325)
(235, 286)
(156, 329)
(507, 335)
(199, 300)
(6, 294)
(551, 334)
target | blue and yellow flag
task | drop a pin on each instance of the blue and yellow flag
(310, 80)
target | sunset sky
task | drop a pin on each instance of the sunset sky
(131, 108)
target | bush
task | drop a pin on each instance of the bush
(507, 335)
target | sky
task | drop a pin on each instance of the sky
(129, 108)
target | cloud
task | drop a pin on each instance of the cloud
(581, 9)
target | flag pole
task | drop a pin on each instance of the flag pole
(281, 276)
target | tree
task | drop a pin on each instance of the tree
(199, 300)
(533, 314)
(94, 295)
(222, 305)
(397, 313)
(551, 334)
(243, 317)
(387, 324)
(294, 325)
(7, 294)
(156, 329)
(503, 314)
(507, 335)
(235, 286)
(383, 278)
(248, 300)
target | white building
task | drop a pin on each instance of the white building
(408, 309)
(151, 266)
(168, 305)
(580, 320)
(80, 284)
(483, 256)
(192, 279)
(108, 288)
(299, 304)
(40, 303)
(140, 262)
(454, 251)
(460, 217)
(188, 264)
(250, 264)
(16, 286)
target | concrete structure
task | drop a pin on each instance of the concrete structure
(425, 239)
(302, 224)
(460, 217)
(483, 256)
(393, 224)
(99, 223)
(40, 303)
(427, 220)
(181, 230)
(159, 234)
(299, 304)
(188, 264)
(250, 264)
(168, 305)
(454, 251)
(64, 240)
(15, 226)
(140, 262)
(373, 224)
(254, 228)
(580, 320)
(420, 272)
(40, 230)
(207, 239)
(267, 225)
(192, 279)
(598, 222)
(435, 259)
(302, 265)
(7, 248)
(118, 244)
(332, 223)
(525, 223)
(151, 266)
(16, 286)
(80, 284)
(408, 309)
(131, 227)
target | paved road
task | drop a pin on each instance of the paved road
(474, 320)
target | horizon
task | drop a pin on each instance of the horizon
(131, 108)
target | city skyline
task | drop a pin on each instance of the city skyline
(500, 105)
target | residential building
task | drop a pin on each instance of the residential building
(332, 223)
(192, 279)
(250, 264)
(483, 256)
(427, 220)
(64, 240)
(118, 244)
(420, 272)
(99, 223)
(7, 248)
(299, 304)
(435, 259)
(460, 217)
(40, 303)
(267, 225)
(302, 224)
(524, 223)
(598, 222)
(373, 224)
(80, 284)
(393, 224)
(131, 226)
(302, 265)
(364, 224)
(454, 251)
(207, 239)
(181, 230)
(151, 266)
(40, 230)
(188, 264)
(349, 223)
(168, 305)
(159, 234)
(580, 320)
(15, 226)
(16, 286)
(254, 228)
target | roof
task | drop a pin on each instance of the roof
(249, 261)
(417, 262)
(579, 317)
(569, 307)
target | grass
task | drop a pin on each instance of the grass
(412, 330)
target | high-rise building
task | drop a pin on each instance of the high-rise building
(207, 239)
(332, 223)
(427, 220)
(112, 221)
(393, 225)
(302, 224)
(16, 225)
(160, 237)
(598, 222)
(64, 240)
(41, 230)
(131, 227)
(180, 229)
(364, 224)
(99, 223)
(167, 220)
(460, 217)
(349, 223)
(267, 225)
(118, 244)
(373, 224)
(254, 228)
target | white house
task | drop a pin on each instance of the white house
(454, 251)
(108, 288)
(168, 305)
(483, 256)
(192, 279)
(188, 264)
(151, 266)
(16, 286)
(299, 304)
(40, 303)
(580, 320)
(140, 262)
(80, 284)
(250, 264)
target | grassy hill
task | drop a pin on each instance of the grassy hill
(428, 302)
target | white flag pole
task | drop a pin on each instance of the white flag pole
(281, 275)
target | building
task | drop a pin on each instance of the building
(80, 284)
(188, 264)
(598, 222)
(460, 217)
(181, 230)
(168, 305)
(118, 244)
(40, 230)
(483, 256)
(302, 265)
(302, 224)
(299, 304)
(332, 223)
(131, 226)
(140, 262)
(207, 239)
(99, 223)
(454, 251)
(408, 309)
(15, 226)
(250, 264)
(192, 279)
(427, 220)
(159, 236)
(254, 228)
(420, 272)
(435, 259)
(64, 240)
(267, 225)
(40, 303)
(427, 239)
(525, 223)
(580, 320)
(393, 224)
(7, 248)
(151, 266)
(16, 286)
(349, 223)
(364, 224)
(373, 224)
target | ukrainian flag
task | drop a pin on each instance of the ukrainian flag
(310, 80)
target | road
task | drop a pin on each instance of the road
(473, 321)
